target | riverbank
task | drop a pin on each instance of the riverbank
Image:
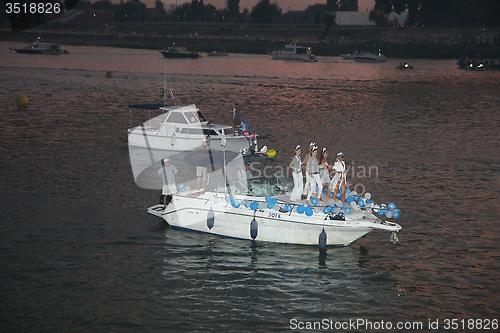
(430, 43)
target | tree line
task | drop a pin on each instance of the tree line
(421, 13)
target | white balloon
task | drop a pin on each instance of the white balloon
(368, 195)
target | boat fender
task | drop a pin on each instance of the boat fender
(322, 240)
(254, 229)
(172, 139)
(210, 219)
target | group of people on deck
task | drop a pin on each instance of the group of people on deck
(317, 174)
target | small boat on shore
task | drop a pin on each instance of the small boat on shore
(41, 48)
(294, 52)
(180, 52)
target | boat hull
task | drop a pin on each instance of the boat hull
(269, 225)
(180, 55)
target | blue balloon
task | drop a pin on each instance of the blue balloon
(349, 200)
(348, 191)
(268, 198)
(325, 191)
(254, 205)
(381, 212)
(361, 203)
(331, 194)
(236, 204)
(347, 211)
(327, 209)
(270, 204)
(368, 201)
(274, 200)
(339, 195)
(314, 201)
(309, 211)
(228, 199)
(391, 205)
(356, 197)
(246, 204)
(340, 190)
(301, 209)
(396, 213)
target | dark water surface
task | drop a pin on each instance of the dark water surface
(79, 253)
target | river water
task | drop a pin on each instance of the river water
(79, 253)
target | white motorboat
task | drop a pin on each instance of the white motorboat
(368, 57)
(177, 129)
(259, 209)
(294, 52)
(42, 48)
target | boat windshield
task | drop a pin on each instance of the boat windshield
(259, 187)
(192, 117)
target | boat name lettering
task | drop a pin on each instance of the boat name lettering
(275, 215)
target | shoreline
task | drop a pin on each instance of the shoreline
(403, 44)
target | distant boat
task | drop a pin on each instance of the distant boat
(217, 53)
(295, 52)
(368, 57)
(180, 52)
(42, 48)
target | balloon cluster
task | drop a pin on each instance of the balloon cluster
(353, 203)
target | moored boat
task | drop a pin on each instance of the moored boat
(42, 48)
(180, 52)
(295, 52)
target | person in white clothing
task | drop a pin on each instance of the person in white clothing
(306, 187)
(313, 171)
(324, 168)
(298, 181)
(339, 177)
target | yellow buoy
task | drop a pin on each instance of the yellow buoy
(271, 152)
(22, 101)
(109, 74)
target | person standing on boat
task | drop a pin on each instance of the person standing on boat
(168, 173)
(298, 180)
(313, 171)
(237, 118)
(324, 173)
(305, 190)
(201, 171)
(339, 177)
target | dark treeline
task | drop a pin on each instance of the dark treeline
(421, 13)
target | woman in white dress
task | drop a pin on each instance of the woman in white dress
(339, 178)
(298, 181)
(313, 171)
(324, 172)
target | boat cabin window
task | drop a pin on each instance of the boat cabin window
(201, 117)
(177, 117)
(301, 50)
(192, 117)
(199, 131)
